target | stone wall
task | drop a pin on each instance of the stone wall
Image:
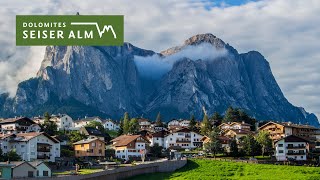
(126, 172)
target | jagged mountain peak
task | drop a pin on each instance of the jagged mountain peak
(196, 40)
(205, 38)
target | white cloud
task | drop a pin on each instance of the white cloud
(155, 66)
(285, 32)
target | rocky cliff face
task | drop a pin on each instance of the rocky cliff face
(105, 81)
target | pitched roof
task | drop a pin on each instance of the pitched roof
(293, 138)
(19, 163)
(289, 124)
(86, 141)
(28, 136)
(37, 163)
(14, 120)
(160, 133)
(88, 119)
(93, 131)
(3, 136)
(125, 140)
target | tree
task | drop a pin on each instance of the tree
(230, 115)
(156, 150)
(206, 125)
(250, 146)
(216, 118)
(265, 141)
(99, 126)
(192, 123)
(133, 126)
(159, 120)
(96, 125)
(48, 126)
(12, 156)
(120, 131)
(234, 151)
(214, 146)
(126, 121)
(76, 136)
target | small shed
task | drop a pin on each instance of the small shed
(42, 170)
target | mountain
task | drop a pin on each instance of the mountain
(106, 81)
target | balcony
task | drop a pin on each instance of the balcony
(296, 153)
(183, 140)
(296, 147)
(187, 135)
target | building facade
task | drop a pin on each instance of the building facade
(291, 148)
(94, 148)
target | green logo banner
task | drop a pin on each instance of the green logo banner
(61, 30)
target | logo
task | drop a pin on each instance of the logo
(87, 30)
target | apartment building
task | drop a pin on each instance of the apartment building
(291, 148)
(280, 130)
(33, 146)
(92, 148)
(183, 138)
(18, 125)
(129, 146)
(63, 121)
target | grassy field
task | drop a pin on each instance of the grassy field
(81, 171)
(211, 169)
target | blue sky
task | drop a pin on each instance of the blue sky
(286, 32)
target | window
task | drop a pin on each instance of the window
(93, 144)
(100, 151)
(78, 152)
(280, 151)
(45, 173)
(280, 145)
(22, 146)
(301, 157)
(37, 172)
(82, 145)
(30, 173)
(157, 138)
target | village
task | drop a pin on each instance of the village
(52, 145)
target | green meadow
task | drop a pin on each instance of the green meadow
(212, 169)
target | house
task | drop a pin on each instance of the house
(92, 133)
(93, 148)
(22, 169)
(291, 148)
(18, 125)
(35, 146)
(110, 125)
(6, 172)
(158, 138)
(178, 124)
(129, 146)
(280, 130)
(63, 121)
(225, 142)
(183, 138)
(235, 126)
(86, 121)
(144, 123)
(42, 170)
(236, 134)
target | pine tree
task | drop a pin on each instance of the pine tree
(230, 115)
(48, 126)
(126, 121)
(120, 131)
(214, 145)
(192, 123)
(205, 125)
(159, 120)
(216, 119)
(133, 126)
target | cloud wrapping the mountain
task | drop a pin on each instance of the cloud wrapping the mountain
(156, 66)
(285, 32)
